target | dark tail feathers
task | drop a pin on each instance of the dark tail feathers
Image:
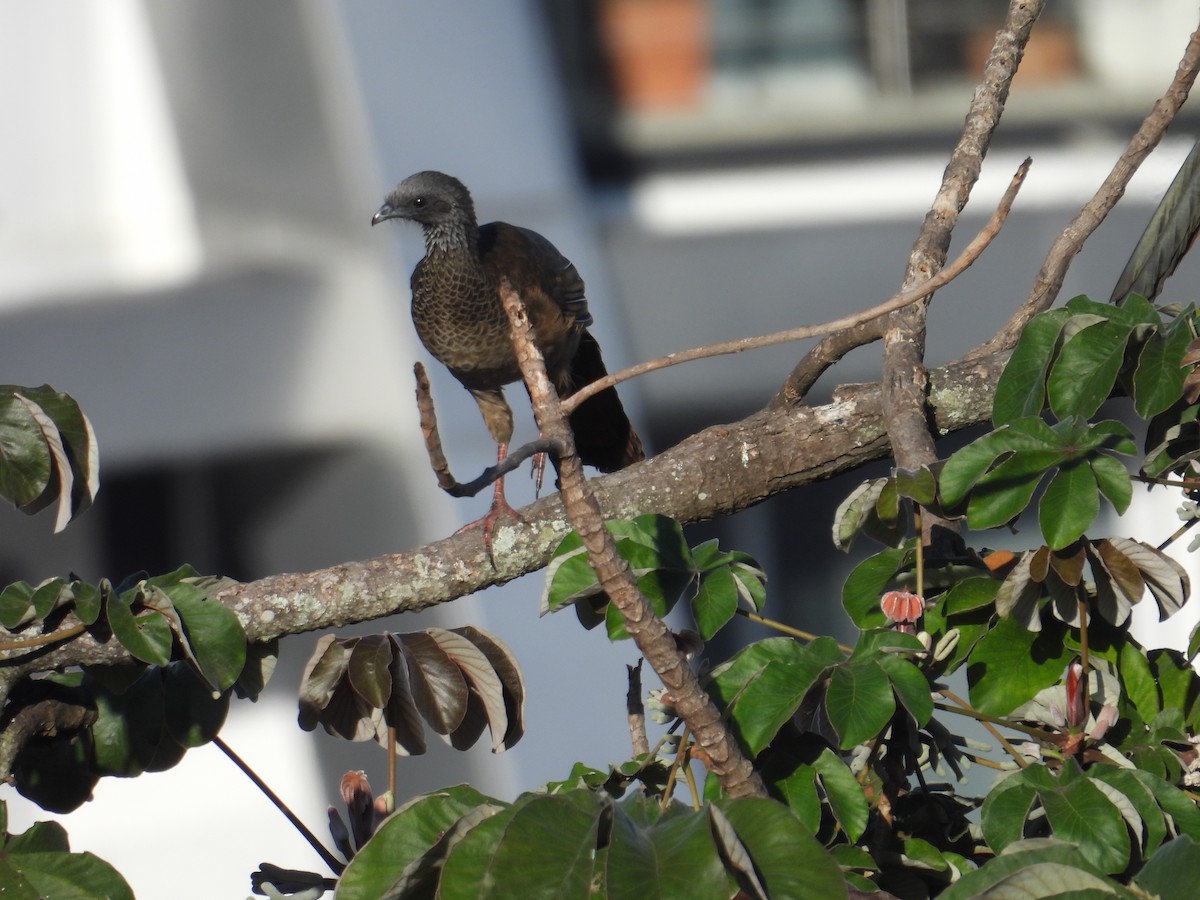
(604, 436)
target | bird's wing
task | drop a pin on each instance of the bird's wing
(548, 282)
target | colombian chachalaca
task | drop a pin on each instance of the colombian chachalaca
(459, 318)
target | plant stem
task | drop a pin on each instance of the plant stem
(391, 767)
(786, 629)
(42, 640)
(680, 755)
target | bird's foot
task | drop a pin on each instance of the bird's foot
(500, 509)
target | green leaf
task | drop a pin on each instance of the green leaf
(1010, 665)
(16, 605)
(1142, 813)
(910, 685)
(969, 594)
(1107, 434)
(786, 856)
(1021, 390)
(70, 876)
(1035, 869)
(1138, 682)
(40, 837)
(918, 484)
(212, 632)
(866, 584)
(1079, 812)
(547, 843)
(1184, 816)
(715, 602)
(648, 543)
(795, 784)
(1069, 505)
(1003, 493)
(56, 774)
(859, 702)
(859, 512)
(89, 600)
(763, 685)
(750, 580)
(1178, 683)
(923, 855)
(147, 636)
(1086, 369)
(25, 463)
(129, 724)
(1173, 872)
(404, 837)
(1159, 377)
(81, 457)
(964, 468)
(844, 793)
(1168, 236)
(1113, 480)
(1005, 809)
(193, 714)
(674, 857)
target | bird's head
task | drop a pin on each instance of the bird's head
(437, 202)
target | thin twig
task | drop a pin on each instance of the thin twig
(784, 628)
(961, 263)
(42, 640)
(1178, 533)
(437, 458)
(679, 762)
(391, 768)
(326, 854)
(635, 711)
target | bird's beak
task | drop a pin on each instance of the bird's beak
(384, 213)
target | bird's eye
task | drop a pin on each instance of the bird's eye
(419, 202)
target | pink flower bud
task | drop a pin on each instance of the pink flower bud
(902, 609)
(1077, 704)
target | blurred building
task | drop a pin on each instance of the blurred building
(185, 247)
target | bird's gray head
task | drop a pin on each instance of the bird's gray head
(441, 205)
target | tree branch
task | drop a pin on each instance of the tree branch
(902, 298)
(437, 457)
(718, 471)
(905, 380)
(653, 638)
(1050, 277)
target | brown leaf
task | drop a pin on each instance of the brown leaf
(505, 666)
(369, 671)
(438, 686)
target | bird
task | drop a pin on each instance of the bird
(458, 316)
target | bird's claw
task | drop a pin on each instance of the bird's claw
(500, 508)
(538, 473)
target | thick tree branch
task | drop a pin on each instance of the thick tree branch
(718, 471)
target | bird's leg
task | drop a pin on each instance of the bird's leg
(499, 507)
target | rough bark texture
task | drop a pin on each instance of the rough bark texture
(720, 470)
(733, 769)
